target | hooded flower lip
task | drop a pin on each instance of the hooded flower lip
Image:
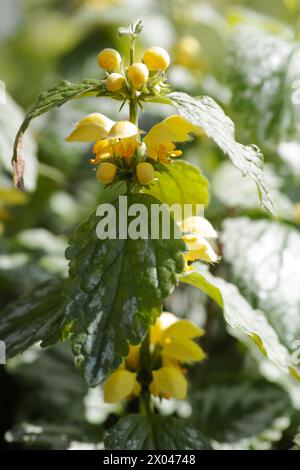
(196, 230)
(169, 382)
(122, 138)
(92, 127)
(120, 385)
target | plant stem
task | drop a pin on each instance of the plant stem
(133, 108)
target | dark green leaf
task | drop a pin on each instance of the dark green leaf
(240, 315)
(36, 316)
(44, 435)
(115, 291)
(207, 114)
(183, 183)
(262, 69)
(136, 432)
(47, 100)
(229, 409)
(297, 442)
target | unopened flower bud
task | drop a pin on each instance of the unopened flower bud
(138, 74)
(109, 59)
(106, 172)
(114, 82)
(145, 173)
(156, 58)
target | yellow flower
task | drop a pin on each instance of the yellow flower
(160, 140)
(171, 344)
(106, 172)
(121, 384)
(175, 338)
(188, 52)
(196, 230)
(114, 82)
(145, 173)
(109, 59)
(138, 75)
(168, 382)
(156, 58)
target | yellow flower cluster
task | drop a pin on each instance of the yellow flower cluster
(171, 345)
(119, 151)
(155, 60)
(118, 142)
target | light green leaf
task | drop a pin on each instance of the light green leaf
(262, 72)
(136, 432)
(34, 317)
(116, 289)
(47, 100)
(265, 261)
(234, 191)
(183, 183)
(240, 315)
(207, 114)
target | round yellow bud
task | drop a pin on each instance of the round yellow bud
(106, 172)
(145, 173)
(109, 59)
(138, 75)
(156, 58)
(114, 82)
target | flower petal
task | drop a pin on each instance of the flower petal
(119, 385)
(123, 130)
(92, 127)
(183, 329)
(162, 323)
(184, 350)
(172, 129)
(198, 225)
(199, 249)
(169, 382)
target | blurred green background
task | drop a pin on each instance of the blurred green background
(243, 53)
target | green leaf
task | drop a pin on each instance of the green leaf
(47, 100)
(265, 259)
(56, 391)
(36, 316)
(240, 316)
(234, 191)
(207, 114)
(297, 441)
(183, 183)
(136, 432)
(44, 435)
(115, 290)
(232, 408)
(262, 68)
